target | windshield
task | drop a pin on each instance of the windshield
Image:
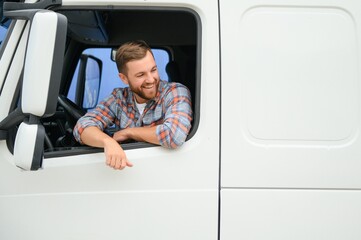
(4, 23)
(3, 30)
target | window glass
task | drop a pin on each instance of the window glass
(109, 75)
(5, 23)
(3, 31)
(91, 84)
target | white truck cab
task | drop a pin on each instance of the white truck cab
(274, 151)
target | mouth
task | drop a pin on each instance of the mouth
(148, 87)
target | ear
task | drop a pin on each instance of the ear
(124, 78)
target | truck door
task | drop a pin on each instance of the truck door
(291, 146)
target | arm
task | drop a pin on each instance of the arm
(178, 116)
(175, 127)
(89, 130)
(101, 117)
(115, 155)
(141, 134)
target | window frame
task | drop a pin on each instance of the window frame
(80, 150)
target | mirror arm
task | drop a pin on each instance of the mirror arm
(13, 119)
(3, 134)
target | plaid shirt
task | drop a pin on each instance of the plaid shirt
(170, 111)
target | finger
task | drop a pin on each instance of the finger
(129, 164)
(123, 163)
(118, 163)
(113, 162)
(108, 160)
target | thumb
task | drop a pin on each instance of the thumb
(129, 164)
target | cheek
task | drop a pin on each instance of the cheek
(133, 85)
(138, 85)
(136, 82)
(155, 74)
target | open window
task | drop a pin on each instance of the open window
(84, 81)
(174, 32)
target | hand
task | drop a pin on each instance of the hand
(115, 155)
(122, 135)
(139, 134)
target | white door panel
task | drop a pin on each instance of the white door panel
(291, 94)
(290, 214)
(111, 215)
(154, 169)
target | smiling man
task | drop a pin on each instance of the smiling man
(149, 110)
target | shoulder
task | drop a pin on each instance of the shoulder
(121, 92)
(118, 96)
(175, 93)
(175, 89)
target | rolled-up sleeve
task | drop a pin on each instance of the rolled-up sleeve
(178, 116)
(101, 117)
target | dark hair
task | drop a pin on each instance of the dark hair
(130, 51)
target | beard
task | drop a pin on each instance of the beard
(144, 93)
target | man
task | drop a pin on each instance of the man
(149, 110)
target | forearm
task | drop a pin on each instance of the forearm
(101, 117)
(140, 134)
(94, 137)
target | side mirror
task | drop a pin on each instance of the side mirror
(89, 78)
(41, 81)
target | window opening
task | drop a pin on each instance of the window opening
(178, 54)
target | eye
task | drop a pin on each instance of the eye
(139, 75)
(154, 69)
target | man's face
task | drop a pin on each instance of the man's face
(142, 77)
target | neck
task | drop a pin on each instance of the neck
(139, 100)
